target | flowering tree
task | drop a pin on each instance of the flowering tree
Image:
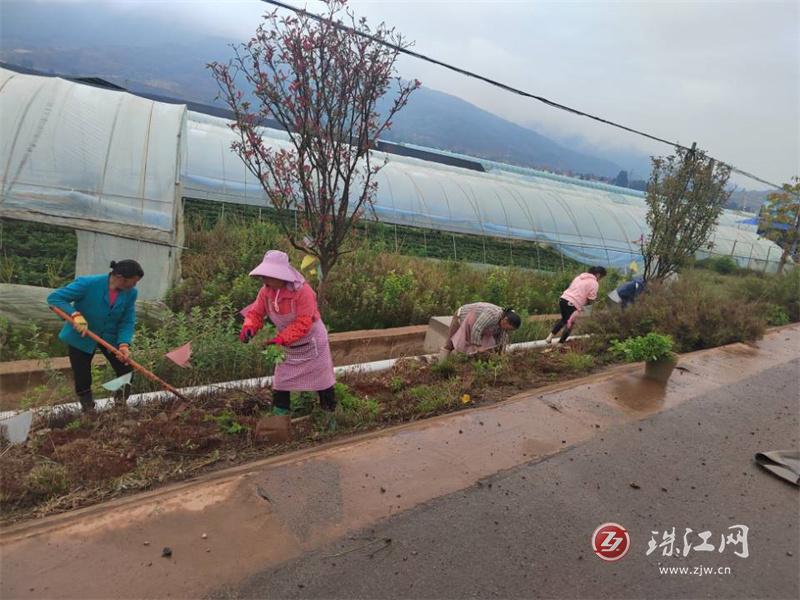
(320, 81)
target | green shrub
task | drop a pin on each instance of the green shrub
(779, 290)
(701, 310)
(217, 353)
(36, 254)
(27, 341)
(650, 347)
(724, 265)
(776, 315)
(369, 288)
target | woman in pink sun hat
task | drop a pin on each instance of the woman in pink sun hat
(290, 303)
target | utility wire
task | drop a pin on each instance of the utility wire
(508, 88)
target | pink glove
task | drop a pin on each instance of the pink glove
(248, 332)
(277, 340)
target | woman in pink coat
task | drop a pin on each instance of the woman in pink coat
(288, 301)
(581, 292)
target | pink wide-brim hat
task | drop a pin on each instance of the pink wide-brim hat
(276, 264)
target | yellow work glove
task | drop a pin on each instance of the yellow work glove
(79, 323)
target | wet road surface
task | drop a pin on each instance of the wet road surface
(525, 533)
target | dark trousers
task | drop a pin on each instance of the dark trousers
(81, 363)
(327, 399)
(566, 312)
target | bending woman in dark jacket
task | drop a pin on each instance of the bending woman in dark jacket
(105, 304)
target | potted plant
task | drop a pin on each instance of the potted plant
(654, 349)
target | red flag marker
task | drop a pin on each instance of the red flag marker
(180, 356)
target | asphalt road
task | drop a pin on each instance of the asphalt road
(525, 533)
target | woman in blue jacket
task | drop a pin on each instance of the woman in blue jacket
(105, 304)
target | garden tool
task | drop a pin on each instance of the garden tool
(15, 429)
(151, 376)
(274, 429)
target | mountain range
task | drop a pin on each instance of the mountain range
(169, 59)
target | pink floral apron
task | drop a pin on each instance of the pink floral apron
(308, 365)
(461, 338)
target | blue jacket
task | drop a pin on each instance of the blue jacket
(89, 296)
(630, 290)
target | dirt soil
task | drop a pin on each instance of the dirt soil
(72, 461)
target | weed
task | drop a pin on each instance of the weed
(489, 367)
(74, 425)
(578, 362)
(47, 480)
(227, 422)
(352, 410)
(303, 403)
(434, 398)
(274, 354)
(396, 384)
(445, 368)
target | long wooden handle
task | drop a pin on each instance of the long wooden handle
(149, 374)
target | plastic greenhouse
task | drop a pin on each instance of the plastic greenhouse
(115, 166)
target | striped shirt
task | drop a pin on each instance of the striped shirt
(487, 319)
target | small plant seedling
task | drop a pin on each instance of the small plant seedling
(274, 354)
(649, 348)
(73, 425)
(227, 422)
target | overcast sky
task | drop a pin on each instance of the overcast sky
(723, 74)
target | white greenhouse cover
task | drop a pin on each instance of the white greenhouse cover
(114, 166)
(89, 158)
(590, 222)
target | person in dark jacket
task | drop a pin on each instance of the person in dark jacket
(629, 291)
(104, 304)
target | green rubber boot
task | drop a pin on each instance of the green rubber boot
(330, 422)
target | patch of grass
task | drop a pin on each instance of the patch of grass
(577, 362)
(352, 410)
(445, 368)
(47, 480)
(434, 398)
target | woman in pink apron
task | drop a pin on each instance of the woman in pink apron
(288, 301)
(479, 327)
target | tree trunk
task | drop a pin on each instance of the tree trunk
(322, 275)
